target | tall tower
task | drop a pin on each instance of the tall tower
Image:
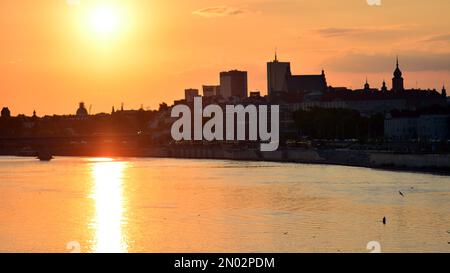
(234, 84)
(444, 92)
(384, 87)
(397, 81)
(277, 76)
(367, 86)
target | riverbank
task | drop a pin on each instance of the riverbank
(427, 163)
(140, 146)
(430, 163)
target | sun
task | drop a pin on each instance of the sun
(105, 20)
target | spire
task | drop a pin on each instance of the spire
(444, 92)
(397, 72)
(367, 86)
(276, 55)
(384, 87)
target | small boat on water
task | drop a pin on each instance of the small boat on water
(45, 156)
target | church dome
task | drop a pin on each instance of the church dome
(397, 72)
(82, 110)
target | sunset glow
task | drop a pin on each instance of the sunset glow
(105, 20)
(146, 52)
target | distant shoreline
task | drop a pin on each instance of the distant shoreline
(140, 146)
(308, 159)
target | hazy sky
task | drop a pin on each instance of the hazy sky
(55, 53)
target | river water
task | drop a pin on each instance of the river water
(179, 205)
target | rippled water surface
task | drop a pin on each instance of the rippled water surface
(175, 205)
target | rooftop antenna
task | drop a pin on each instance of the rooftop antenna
(276, 55)
(90, 108)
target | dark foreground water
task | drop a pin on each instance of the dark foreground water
(175, 205)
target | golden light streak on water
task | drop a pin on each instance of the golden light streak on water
(108, 195)
(177, 205)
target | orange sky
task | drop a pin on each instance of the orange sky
(52, 56)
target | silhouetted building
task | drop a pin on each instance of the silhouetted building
(444, 92)
(82, 111)
(278, 74)
(384, 88)
(433, 127)
(190, 94)
(367, 86)
(409, 125)
(367, 90)
(211, 90)
(234, 84)
(308, 83)
(401, 125)
(281, 81)
(6, 113)
(397, 81)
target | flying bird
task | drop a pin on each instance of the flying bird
(401, 193)
(384, 220)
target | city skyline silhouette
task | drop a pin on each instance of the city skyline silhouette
(58, 54)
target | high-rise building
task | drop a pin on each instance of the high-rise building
(190, 94)
(234, 84)
(278, 74)
(211, 90)
(397, 81)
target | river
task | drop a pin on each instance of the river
(181, 205)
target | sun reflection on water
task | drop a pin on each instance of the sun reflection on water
(109, 206)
